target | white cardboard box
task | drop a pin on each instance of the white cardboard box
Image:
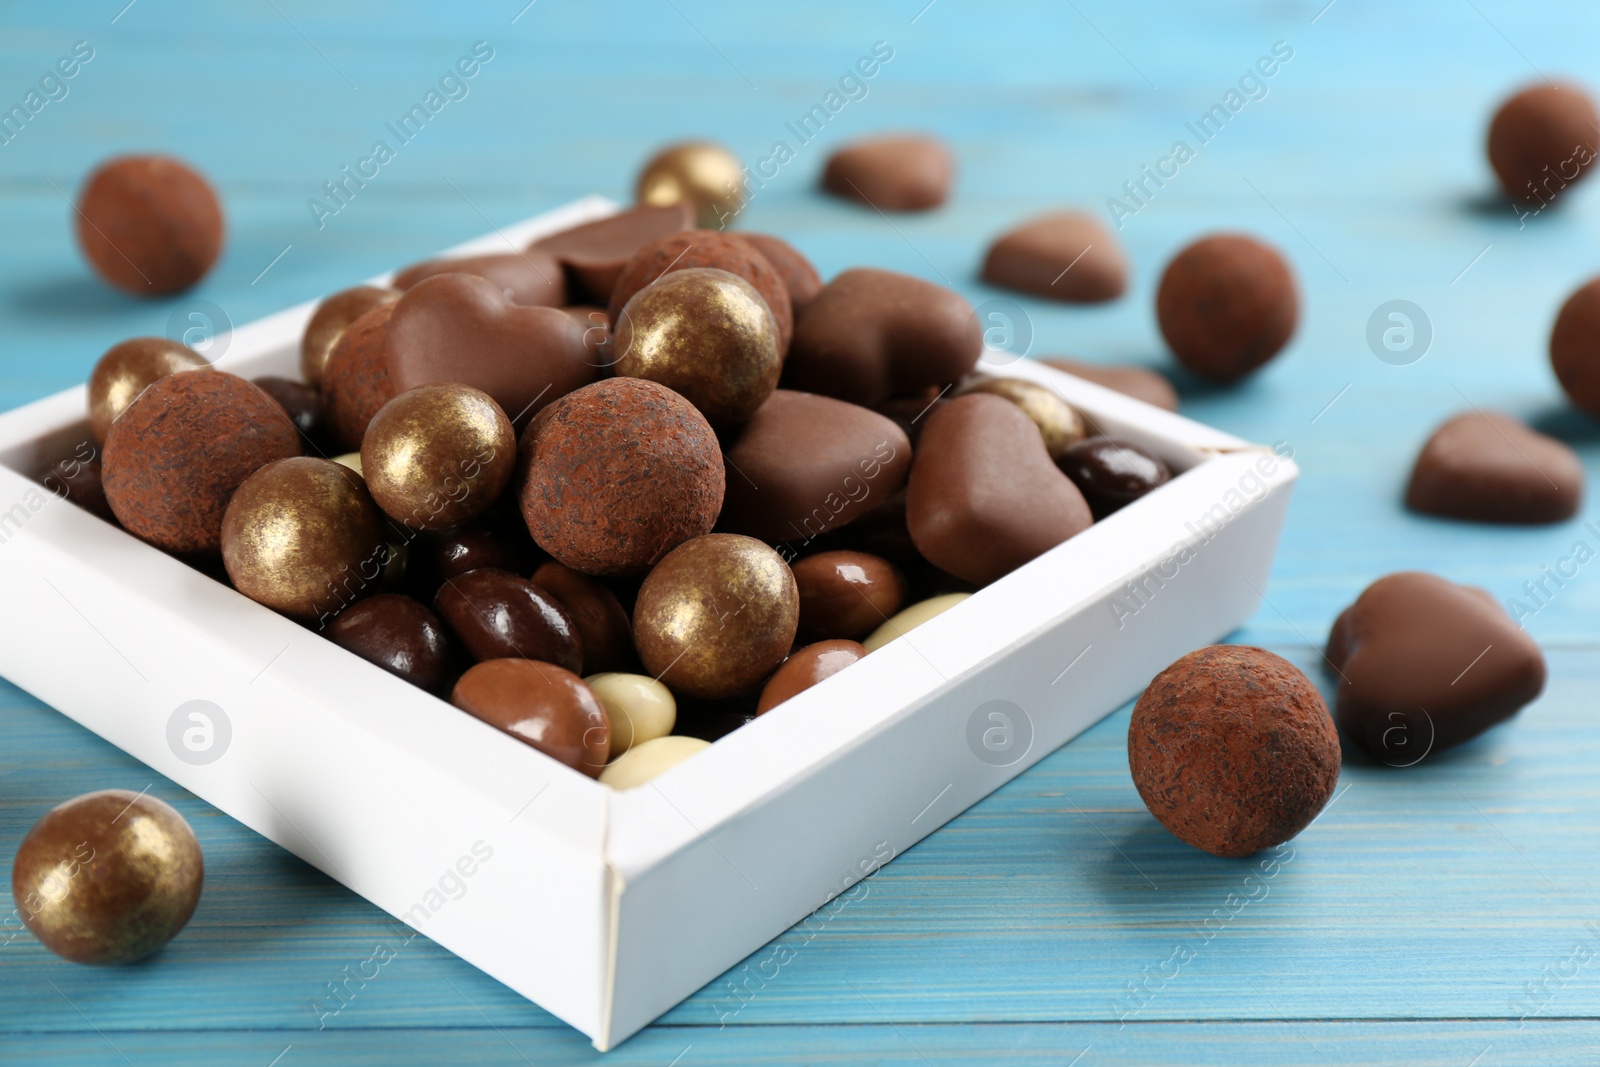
(609, 908)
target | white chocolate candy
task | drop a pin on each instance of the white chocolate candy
(351, 460)
(640, 708)
(650, 759)
(911, 618)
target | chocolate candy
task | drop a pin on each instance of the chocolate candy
(532, 278)
(1575, 347)
(149, 225)
(1137, 382)
(846, 594)
(438, 456)
(78, 481)
(639, 708)
(1232, 750)
(1064, 255)
(127, 369)
(984, 497)
(355, 380)
(618, 474)
(499, 541)
(457, 328)
(874, 334)
(302, 404)
(601, 621)
(806, 668)
(804, 465)
(912, 617)
(108, 877)
(329, 322)
(1059, 422)
(716, 616)
(800, 278)
(1227, 304)
(303, 537)
(704, 176)
(905, 173)
(595, 253)
(541, 705)
(650, 761)
(497, 615)
(1543, 139)
(398, 634)
(1485, 466)
(174, 458)
(1425, 664)
(706, 248)
(705, 334)
(1111, 473)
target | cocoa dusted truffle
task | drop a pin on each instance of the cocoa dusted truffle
(1575, 347)
(1232, 750)
(149, 225)
(1227, 304)
(1543, 139)
(174, 458)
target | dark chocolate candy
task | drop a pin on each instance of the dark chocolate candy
(1486, 466)
(602, 623)
(303, 404)
(1112, 473)
(499, 615)
(398, 634)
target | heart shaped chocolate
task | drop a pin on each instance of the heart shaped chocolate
(594, 253)
(533, 278)
(984, 496)
(1485, 466)
(804, 464)
(895, 173)
(1065, 255)
(461, 328)
(873, 334)
(1425, 664)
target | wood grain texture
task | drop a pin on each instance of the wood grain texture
(1417, 921)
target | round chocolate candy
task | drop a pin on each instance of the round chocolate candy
(692, 249)
(497, 615)
(846, 594)
(1232, 749)
(650, 760)
(489, 542)
(618, 474)
(175, 457)
(149, 225)
(302, 404)
(1575, 347)
(1112, 473)
(806, 668)
(398, 634)
(639, 707)
(1542, 140)
(705, 334)
(1059, 422)
(1227, 304)
(599, 616)
(127, 369)
(912, 617)
(706, 176)
(716, 615)
(331, 319)
(108, 877)
(800, 278)
(303, 537)
(355, 379)
(438, 456)
(542, 705)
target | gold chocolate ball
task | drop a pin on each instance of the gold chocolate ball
(705, 334)
(127, 369)
(303, 537)
(706, 176)
(1059, 422)
(328, 323)
(716, 615)
(108, 877)
(438, 455)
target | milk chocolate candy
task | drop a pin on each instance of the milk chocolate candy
(1064, 255)
(804, 465)
(1424, 664)
(458, 328)
(594, 253)
(532, 278)
(984, 496)
(903, 173)
(875, 334)
(1141, 384)
(1485, 466)
(799, 276)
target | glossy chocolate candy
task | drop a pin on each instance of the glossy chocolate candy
(1112, 473)
(499, 615)
(542, 705)
(806, 668)
(846, 594)
(398, 634)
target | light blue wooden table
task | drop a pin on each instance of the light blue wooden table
(1449, 914)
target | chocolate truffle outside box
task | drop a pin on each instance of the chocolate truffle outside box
(609, 908)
